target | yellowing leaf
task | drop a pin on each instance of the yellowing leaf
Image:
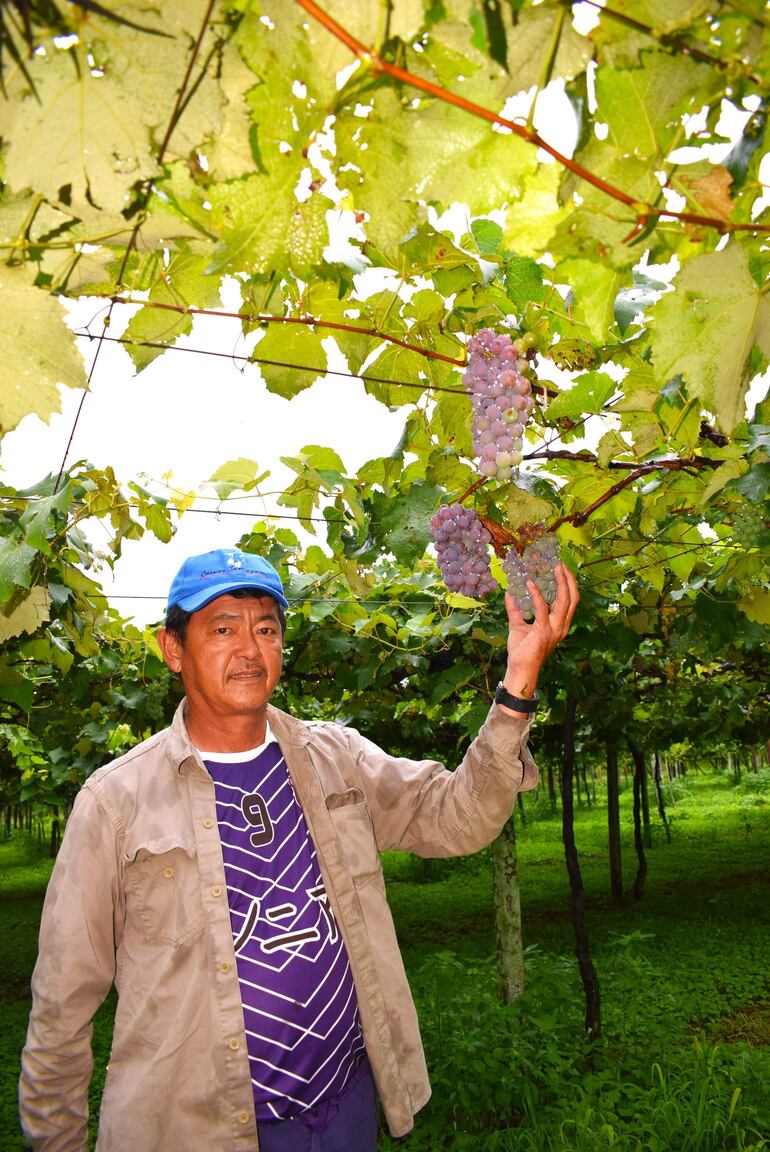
(38, 350)
(523, 507)
(27, 616)
(610, 446)
(711, 191)
(103, 101)
(707, 328)
(756, 605)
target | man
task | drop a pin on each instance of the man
(225, 876)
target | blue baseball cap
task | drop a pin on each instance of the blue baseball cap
(202, 578)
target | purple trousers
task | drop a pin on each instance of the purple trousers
(351, 1128)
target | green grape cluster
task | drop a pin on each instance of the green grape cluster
(536, 563)
(748, 525)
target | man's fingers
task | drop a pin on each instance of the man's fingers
(515, 618)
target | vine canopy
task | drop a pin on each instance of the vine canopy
(150, 152)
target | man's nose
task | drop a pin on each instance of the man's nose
(248, 644)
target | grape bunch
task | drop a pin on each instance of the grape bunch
(500, 394)
(461, 546)
(537, 563)
(748, 525)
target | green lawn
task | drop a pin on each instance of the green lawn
(684, 1063)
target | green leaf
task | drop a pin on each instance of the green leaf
(185, 283)
(755, 484)
(402, 522)
(643, 106)
(590, 393)
(488, 236)
(39, 350)
(522, 507)
(15, 687)
(291, 357)
(239, 475)
(595, 288)
(609, 447)
(524, 282)
(39, 518)
(16, 559)
(707, 328)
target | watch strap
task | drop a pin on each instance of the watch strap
(503, 696)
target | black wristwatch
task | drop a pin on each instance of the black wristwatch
(503, 696)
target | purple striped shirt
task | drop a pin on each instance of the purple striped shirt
(299, 1004)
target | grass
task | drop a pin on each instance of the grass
(684, 1063)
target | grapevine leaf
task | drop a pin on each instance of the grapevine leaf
(239, 475)
(291, 357)
(590, 393)
(643, 106)
(402, 366)
(609, 447)
(755, 485)
(16, 559)
(756, 605)
(524, 282)
(39, 350)
(402, 522)
(102, 100)
(39, 518)
(759, 436)
(536, 212)
(716, 305)
(530, 45)
(729, 471)
(487, 235)
(594, 302)
(27, 617)
(15, 687)
(185, 283)
(522, 507)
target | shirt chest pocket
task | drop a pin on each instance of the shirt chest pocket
(163, 890)
(353, 823)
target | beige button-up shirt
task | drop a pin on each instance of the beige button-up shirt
(135, 899)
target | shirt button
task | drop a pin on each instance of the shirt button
(208, 822)
(224, 966)
(216, 890)
(243, 1117)
(168, 872)
(234, 1044)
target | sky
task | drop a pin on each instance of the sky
(187, 414)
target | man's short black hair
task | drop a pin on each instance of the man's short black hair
(177, 619)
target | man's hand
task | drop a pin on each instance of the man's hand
(530, 645)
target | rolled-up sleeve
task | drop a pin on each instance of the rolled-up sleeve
(74, 972)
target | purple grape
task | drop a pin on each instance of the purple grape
(537, 563)
(461, 547)
(501, 400)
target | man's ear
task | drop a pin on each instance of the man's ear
(171, 647)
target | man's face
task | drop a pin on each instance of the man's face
(230, 660)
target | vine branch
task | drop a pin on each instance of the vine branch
(308, 321)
